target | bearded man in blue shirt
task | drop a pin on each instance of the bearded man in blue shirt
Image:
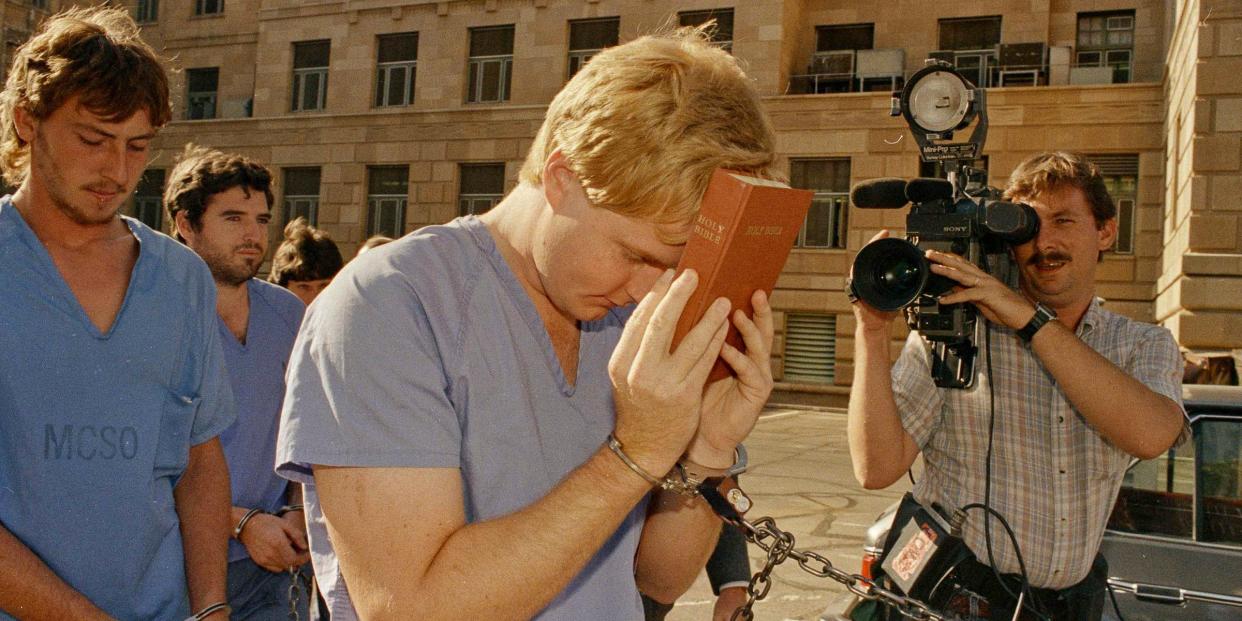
(220, 205)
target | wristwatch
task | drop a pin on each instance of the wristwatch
(1043, 315)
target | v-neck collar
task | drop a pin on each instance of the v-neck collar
(73, 305)
(526, 306)
(224, 328)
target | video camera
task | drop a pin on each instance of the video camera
(960, 214)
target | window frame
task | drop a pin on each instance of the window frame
(468, 202)
(838, 210)
(147, 11)
(295, 205)
(379, 201)
(385, 69)
(1106, 54)
(577, 58)
(300, 79)
(150, 202)
(951, 21)
(212, 96)
(201, 7)
(1196, 537)
(476, 70)
(689, 18)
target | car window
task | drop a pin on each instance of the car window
(1157, 495)
(1219, 442)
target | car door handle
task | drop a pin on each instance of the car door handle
(1157, 594)
(1154, 593)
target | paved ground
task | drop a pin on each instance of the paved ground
(800, 474)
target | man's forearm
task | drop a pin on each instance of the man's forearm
(1127, 413)
(677, 540)
(203, 506)
(516, 564)
(30, 590)
(880, 448)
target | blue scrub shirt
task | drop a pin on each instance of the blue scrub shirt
(96, 428)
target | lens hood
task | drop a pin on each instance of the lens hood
(889, 274)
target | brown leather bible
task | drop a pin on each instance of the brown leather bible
(739, 244)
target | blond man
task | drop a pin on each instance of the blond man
(113, 487)
(451, 395)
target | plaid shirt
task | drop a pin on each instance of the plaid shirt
(1054, 477)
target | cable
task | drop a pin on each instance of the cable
(987, 494)
(1113, 596)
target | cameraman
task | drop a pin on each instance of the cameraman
(1076, 399)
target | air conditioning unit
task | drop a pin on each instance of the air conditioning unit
(1091, 75)
(883, 63)
(837, 62)
(1022, 55)
(1058, 64)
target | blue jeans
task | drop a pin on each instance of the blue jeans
(256, 594)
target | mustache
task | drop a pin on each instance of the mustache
(254, 247)
(1054, 255)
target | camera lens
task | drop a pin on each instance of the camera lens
(889, 274)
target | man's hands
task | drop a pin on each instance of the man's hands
(732, 405)
(998, 303)
(658, 393)
(870, 320)
(276, 543)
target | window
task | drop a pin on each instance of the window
(147, 11)
(482, 187)
(1156, 496)
(200, 96)
(971, 33)
(1106, 40)
(1192, 491)
(302, 194)
(588, 36)
(825, 225)
(491, 64)
(722, 37)
(396, 68)
(1120, 174)
(1219, 445)
(388, 190)
(208, 7)
(853, 37)
(810, 348)
(310, 74)
(149, 199)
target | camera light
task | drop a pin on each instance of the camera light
(939, 101)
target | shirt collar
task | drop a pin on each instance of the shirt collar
(1092, 317)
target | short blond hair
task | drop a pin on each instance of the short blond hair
(644, 124)
(94, 53)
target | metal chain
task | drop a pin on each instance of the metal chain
(780, 546)
(295, 592)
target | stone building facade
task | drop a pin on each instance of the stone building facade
(382, 116)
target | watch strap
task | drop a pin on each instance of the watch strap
(1043, 315)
